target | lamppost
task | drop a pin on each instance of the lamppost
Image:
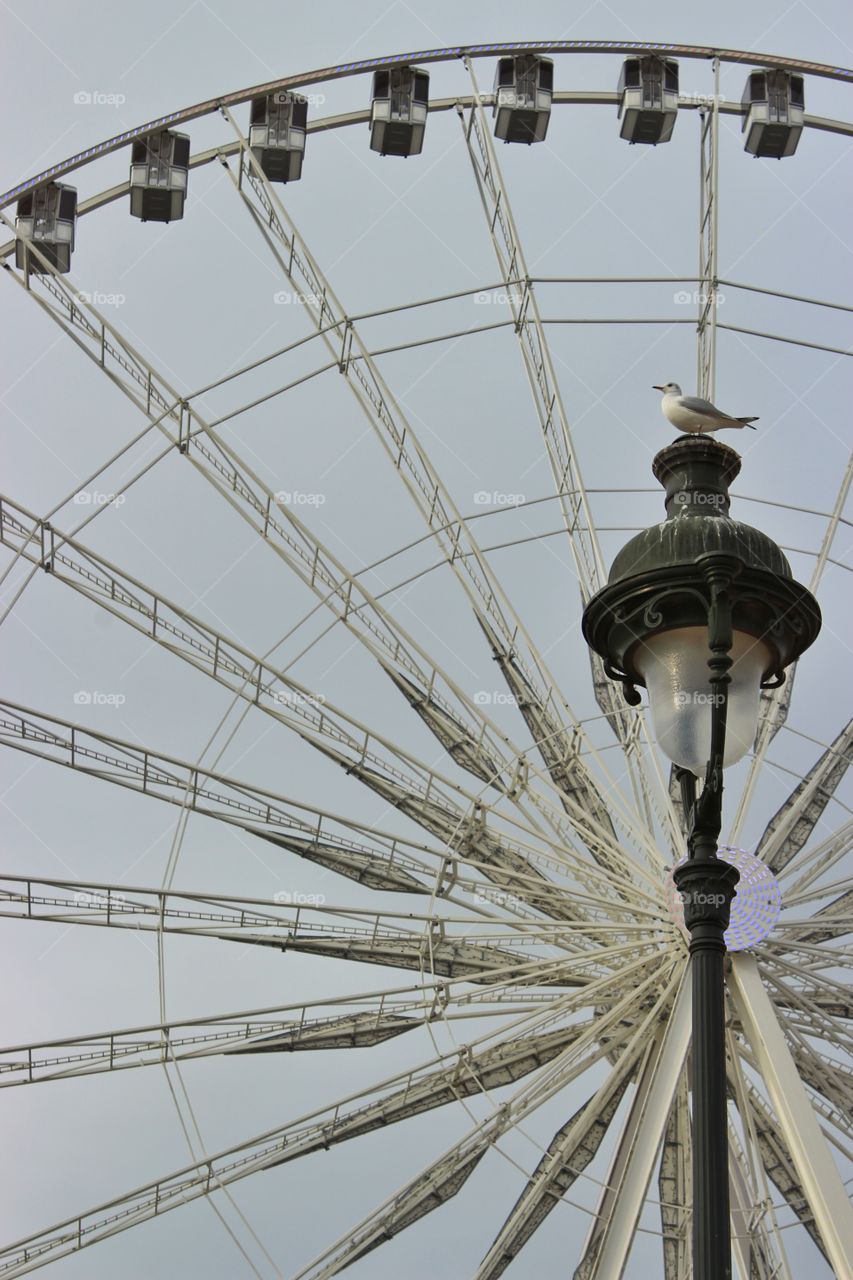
(704, 612)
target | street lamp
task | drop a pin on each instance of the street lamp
(703, 611)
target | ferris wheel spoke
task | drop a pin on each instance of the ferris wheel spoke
(438, 950)
(675, 1185)
(445, 947)
(550, 410)
(375, 858)
(821, 859)
(831, 1083)
(474, 746)
(792, 825)
(569, 1153)
(421, 1090)
(811, 1157)
(544, 385)
(827, 1076)
(164, 1042)
(577, 516)
(293, 542)
(833, 921)
(559, 752)
(417, 790)
(345, 1021)
(367, 854)
(449, 528)
(805, 986)
(776, 1159)
(751, 1239)
(754, 1219)
(614, 1225)
(774, 704)
(374, 1229)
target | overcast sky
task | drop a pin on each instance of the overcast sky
(202, 297)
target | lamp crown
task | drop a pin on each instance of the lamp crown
(696, 472)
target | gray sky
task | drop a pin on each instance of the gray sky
(199, 298)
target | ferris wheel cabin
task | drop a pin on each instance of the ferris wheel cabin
(649, 99)
(277, 127)
(775, 109)
(523, 89)
(398, 111)
(48, 217)
(158, 176)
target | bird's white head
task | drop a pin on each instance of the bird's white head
(669, 389)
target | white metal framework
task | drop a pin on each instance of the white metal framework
(529, 855)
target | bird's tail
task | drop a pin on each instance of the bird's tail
(747, 422)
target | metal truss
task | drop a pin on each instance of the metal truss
(789, 829)
(751, 1246)
(569, 1051)
(814, 865)
(577, 517)
(675, 1186)
(709, 143)
(278, 525)
(421, 793)
(448, 946)
(544, 705)
(348, 1021)
(774, 704)
(376, 859)
(815, 1167)
(612, 1232)
(570, 1151)
(373, 1229)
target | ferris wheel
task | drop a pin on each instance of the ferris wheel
(467, 865)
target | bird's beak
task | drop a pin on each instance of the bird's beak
(657, 388)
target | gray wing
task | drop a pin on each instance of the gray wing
(697, 405)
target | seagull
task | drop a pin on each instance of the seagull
(693, 414)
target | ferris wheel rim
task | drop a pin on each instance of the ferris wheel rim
(344, 70)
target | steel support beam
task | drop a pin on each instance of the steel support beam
(812, 1159)
(609, 1241)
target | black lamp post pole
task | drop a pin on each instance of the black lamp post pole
(707, 886)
